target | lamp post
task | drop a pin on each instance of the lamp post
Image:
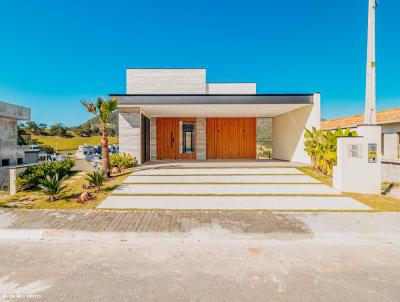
(370, 95)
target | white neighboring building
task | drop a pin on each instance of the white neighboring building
(10, 153)
(389, 120)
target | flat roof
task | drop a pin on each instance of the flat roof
(199, 99)
(14, 112)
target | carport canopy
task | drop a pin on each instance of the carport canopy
(258, 105)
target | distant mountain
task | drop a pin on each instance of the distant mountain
(94, 121)
(82, 129)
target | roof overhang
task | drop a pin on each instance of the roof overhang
(253, 105)
(14, 112)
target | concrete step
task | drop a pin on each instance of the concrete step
(232, 203)
(235, 189)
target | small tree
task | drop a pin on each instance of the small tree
(97, 179)
(32, 127)
(42, 128)
(58, 129)
(52, 187)
(103, 110)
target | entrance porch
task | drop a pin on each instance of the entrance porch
(207, 127)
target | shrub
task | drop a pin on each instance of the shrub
(97, 178)
(264, 152)
(32, 176)
(52, 187)
(321, 146)
(122, 161)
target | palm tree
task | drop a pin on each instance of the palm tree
(102, 110)
(51, 186)
(97, 179)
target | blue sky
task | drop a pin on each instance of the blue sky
(54, 53)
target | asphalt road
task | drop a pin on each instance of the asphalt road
(212, 265)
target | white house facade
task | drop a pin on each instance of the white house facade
(175, 114)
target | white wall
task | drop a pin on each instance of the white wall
(231, 88)
(391, 140)
(356, 174)
(391, 146)
(165, 81)
(288, 132)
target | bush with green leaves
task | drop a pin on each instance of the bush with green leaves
(321, 146)
(122, 161)
(51, 186)
(97, 178)
(32, 176)
(263, 152)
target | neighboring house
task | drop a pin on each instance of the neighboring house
(175, 114)
(390, 139)
(10, 153)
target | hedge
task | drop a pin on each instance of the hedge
(33, 174)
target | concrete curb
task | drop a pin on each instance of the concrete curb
(196, 234)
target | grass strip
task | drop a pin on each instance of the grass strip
(133, 174)
(234, 195)
(238, 167)
(223, 183)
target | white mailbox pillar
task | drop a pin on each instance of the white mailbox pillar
(358, 168)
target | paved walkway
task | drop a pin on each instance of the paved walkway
(226, 188)
(150, 221)
(224, 222)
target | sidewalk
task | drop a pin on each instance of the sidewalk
(87, 224)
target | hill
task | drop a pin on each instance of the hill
(113, 122)
(66, 145)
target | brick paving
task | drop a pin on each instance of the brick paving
(152, 221)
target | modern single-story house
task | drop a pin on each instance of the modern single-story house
(389, 120)
(173, 114)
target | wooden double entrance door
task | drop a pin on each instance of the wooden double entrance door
(231, 138)
(226, 138)
(176, 138)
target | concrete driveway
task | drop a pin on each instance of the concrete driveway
(313, 257)
(227, 187)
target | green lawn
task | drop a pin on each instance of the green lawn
(70, 145)
(35, 199)
(380, 203)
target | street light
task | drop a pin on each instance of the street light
(370, 95)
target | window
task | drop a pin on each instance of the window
(5, 162)
(20, 161)
(188, 138)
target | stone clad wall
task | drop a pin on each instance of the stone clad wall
(165, 81)
(201, 138)
(129, 132)
(153, 138)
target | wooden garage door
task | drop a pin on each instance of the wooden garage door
(231, 138)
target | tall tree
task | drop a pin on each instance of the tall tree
(102, 110)
(32, 127)
(42, 128)
(58, 129)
